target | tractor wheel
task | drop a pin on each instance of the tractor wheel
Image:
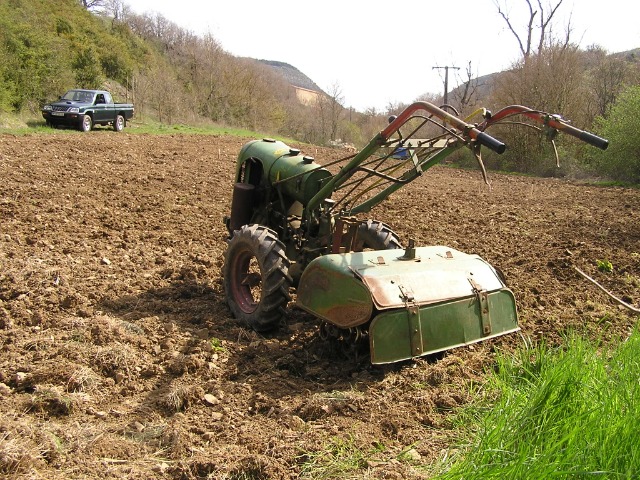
(256, 277)
(376, 236)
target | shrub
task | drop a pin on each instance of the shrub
(621, 161)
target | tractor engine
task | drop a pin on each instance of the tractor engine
(273, 185)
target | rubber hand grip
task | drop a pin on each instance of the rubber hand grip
(492, 143)
(596, 141)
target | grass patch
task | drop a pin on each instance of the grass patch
(17, 126)
(615, 183)
(556, 413)
(340, 458)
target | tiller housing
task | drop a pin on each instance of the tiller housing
(295, 223)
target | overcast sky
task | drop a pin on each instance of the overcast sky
(381, 52)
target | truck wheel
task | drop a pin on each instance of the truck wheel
(376, 236)
(86, 123)
(256, 277)
(118, 124)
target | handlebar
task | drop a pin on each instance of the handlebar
(478, 133)
(590, 138)
(491, 143)
(468, 129)
(552, 121)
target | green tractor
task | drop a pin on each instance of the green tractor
(297, 224)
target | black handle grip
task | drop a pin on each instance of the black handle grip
(596, 141)
(490, 142)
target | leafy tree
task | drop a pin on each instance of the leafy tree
(609, 75)
(29, 64)
(621, 161)
(87, 69)
(7, 90)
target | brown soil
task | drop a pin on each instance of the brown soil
(119, 358)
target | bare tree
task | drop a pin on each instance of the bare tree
(336, 108)
(466, 91)
(430, 97)
(540, 18)
(93, 4)
(116, 9)
(330, 108)
(552, 81)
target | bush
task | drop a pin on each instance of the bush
(621, 161)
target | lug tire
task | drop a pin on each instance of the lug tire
(256, 277)
(376, 236)
(86, 123)
(118, 124)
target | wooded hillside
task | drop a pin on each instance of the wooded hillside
(176, 76)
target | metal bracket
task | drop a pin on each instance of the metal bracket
(410, 252)
(483, 302)
(413, 315)
(340, 236)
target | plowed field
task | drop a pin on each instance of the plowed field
(119, 358)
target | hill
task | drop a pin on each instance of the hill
(594, 58)
(292, 75)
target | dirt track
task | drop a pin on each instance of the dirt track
(119, 358)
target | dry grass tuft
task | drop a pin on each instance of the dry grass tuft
(17, 454)
(177, 398)
(51, 401)
(116, 358)
(83, 379)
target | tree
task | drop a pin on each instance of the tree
(466, 91)
(621, 161)
(540, 18)
(553, 82)
(549, 77)
(87, 70)
(607, 78)
(93, 4)
(330, 108)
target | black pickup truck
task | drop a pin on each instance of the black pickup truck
(83, 109)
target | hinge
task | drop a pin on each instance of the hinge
(413, 316)
(483, 302)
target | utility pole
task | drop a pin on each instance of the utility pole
(446, 81)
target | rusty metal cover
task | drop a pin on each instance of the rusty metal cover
(437, 274)
(330, 290)
(343, 288)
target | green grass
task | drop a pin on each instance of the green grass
(615, 183)
(23, 125)
(570, 413)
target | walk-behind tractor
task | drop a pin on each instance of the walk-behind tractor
(295, 223)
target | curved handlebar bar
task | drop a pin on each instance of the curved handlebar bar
(478, 133)
(552, 121)
(468, 129)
